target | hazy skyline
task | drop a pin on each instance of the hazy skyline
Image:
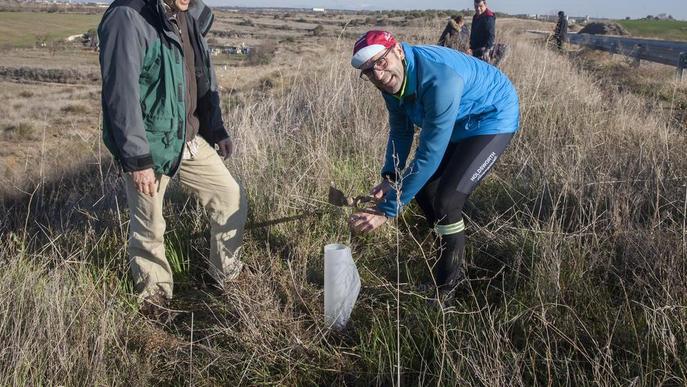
(615, 9)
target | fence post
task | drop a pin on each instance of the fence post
(681, 65)
(637, 53)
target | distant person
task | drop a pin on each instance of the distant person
(468, 112)
(560, 33)
(482, 31)
(455, 34)
(162, 118)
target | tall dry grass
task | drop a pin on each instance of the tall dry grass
(576, 250)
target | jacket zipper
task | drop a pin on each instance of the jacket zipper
(178, 56)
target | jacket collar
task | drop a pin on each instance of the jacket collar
(197, 10)
(487, 13)
(167, 28)
(203, 15)
(410, 76)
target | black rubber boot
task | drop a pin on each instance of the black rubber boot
(450, 273)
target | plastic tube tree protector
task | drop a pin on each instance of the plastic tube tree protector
(341, 285)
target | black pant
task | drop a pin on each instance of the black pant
(560, 42)
(464, 165)
(482, 54)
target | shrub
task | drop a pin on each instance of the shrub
(21, 131)
(262, 54)
(247, 23)
(318, 30)
(75, 109)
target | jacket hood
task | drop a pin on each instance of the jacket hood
(454, 25)
(203, 15)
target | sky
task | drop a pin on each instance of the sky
(613, 9)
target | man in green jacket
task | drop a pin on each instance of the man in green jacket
(161, 118)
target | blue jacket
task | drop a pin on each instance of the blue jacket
(451, 96)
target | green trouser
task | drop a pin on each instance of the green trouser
(206, 176)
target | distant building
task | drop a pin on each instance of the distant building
(525, 16)
(321, 10)
(663, 16)
(74, 37)
(230, 50)
(551, 18)
(578, 19)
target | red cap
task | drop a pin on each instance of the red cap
(369, 45)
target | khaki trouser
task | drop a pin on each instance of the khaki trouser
(208, 178)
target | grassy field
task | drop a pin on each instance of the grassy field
(576, 246)
(659, 29)
(24, 29)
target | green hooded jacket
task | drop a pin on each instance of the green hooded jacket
(142, 66)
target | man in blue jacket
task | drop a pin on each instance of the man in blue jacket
(468, 113)
(482, 31)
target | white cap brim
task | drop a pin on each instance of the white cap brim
(365, 54)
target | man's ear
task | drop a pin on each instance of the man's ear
(399, 51)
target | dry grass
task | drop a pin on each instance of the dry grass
(45, 126)
(655, 83)
(577, 252)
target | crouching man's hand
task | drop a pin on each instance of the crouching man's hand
(145, 181)
(381, 189)
(366, 221)
(226, 147)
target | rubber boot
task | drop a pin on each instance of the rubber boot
(450, 273)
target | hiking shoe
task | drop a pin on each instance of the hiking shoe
(156, 308)
(456, 288)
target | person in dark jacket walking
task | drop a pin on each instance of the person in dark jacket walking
(482, 31)
(162, 117)
(455, 34)
(560, 33)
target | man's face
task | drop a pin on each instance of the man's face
(387, 76)
(479, 7)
